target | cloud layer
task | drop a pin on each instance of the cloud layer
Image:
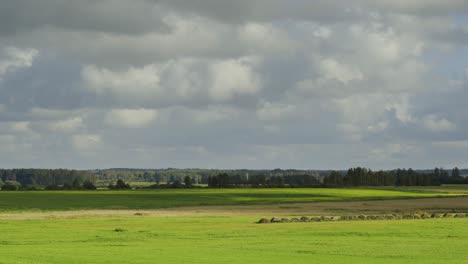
(239, 84)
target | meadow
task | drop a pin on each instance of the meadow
(51, 227)
(232, 240)
(156, 199)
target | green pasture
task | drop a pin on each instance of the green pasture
(153, 199)
(232, 240)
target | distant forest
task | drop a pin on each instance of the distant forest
(184, 178)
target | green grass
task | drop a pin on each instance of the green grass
(232, 240)
(145, 239)
(78, 200)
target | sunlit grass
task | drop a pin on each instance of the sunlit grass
(232, 240)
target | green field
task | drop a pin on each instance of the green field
(53, 236)
(154, 199)
(232, 240)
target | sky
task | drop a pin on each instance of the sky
(233, 84)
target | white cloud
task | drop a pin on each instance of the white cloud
(135, 82)
(22, 127)
(267, 39)
(378, 127)
(385, 152)
(40, 113)
(401, 105)
(438, 124)
(177, 80)
(131, 118)
(334, 70)
(86, 142)
(214, 114)
(274, 112)
(234, 77)
(362, 114)
(380, 43)
(67, 125)
(16, 59)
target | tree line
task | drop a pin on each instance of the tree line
(31, 179)
(62, 179)
(353, 177)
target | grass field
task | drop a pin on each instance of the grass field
(232, 240)
(225, 231)
(154, 199)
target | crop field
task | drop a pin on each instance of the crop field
(219, 226)
(154, 199)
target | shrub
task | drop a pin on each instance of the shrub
(121, 185)
(52, 187)
(67, 186)
(88, 185)
(29, 187)
(11, 186)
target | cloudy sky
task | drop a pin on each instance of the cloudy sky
(233, 84)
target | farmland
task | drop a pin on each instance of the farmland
(232, 240)
(218, 226)
(85, 200)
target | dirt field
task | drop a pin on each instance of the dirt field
(459, 204)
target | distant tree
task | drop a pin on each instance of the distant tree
(333, 179)
(11, 186)
(76, 184)
(121, 185)
(188, 181)
(176, 184)
(67, 186)
(52, 187)
(88, 185)
(444, 176)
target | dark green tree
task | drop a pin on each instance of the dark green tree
(121, 185)
(11, 186)
(188, 182)
(76, 184)
(88, 185)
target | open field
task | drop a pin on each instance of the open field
(438, 205)
(154, 199)
(177, 226)
(232, 240)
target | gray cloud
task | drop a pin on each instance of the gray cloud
(306, 84)
(113, 16)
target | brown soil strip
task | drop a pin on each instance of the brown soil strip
(456, 204)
